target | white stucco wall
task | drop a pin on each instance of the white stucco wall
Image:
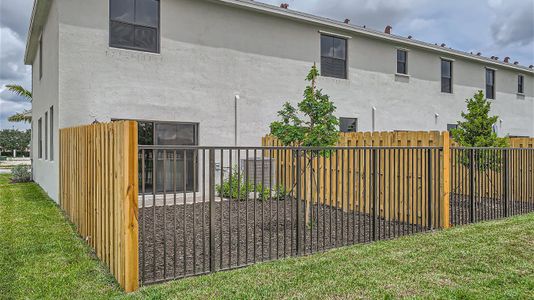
(45, 95)
(210, 52)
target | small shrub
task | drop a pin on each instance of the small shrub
(229, 188)
(276, 192)
(21, 173)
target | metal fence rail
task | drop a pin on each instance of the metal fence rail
(205, 209)
(490, 183)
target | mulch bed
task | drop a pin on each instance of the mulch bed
(173, 244)
(485, 209)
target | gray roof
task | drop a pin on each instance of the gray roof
(41, 8)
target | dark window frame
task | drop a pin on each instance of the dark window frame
(158, 31)
(520, 84)
(348, 118)
(491, 86)
(51, 133)
(345, 59)
(40, 138)
(445, 78)
(41, 57)
(404, 63)
(154, 143)
(46, 136)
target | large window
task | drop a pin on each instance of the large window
(520, 84)
(402, 61)
(348, 124)
(52, 133)
(40, 138)
(134, 24)
(446, 76)
(333, 57)
(490, 84)
(171, 168)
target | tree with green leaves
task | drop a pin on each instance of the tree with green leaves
(311, 124)
(26, 115)
(11, 139)
(477, 128)
(477, 131)
(318, 128)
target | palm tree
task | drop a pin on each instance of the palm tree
(26, 115)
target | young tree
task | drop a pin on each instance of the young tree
(318, 128)
(477, 128)
(313, 124)
(477, 131)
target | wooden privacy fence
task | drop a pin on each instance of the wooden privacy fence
(396, 169)
(403, 175)
(98, 192)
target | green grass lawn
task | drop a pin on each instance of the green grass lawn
(41, 257)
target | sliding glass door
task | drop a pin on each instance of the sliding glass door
(171, 168)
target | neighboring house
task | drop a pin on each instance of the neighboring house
(180, 63)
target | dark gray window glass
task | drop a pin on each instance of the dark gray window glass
(446, 76)
(333, 57)
(41, 57)
(134, 24)
(147, 12)
(52, 133)
(451, 126)
(46, 136)
(348, 124)
(122, 10)
(175, 134)
(145, 132)
(402, 59)
(490, 84)
(40, 138)
(520, 84)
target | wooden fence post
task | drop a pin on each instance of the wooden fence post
(131, 211)
(445, 201)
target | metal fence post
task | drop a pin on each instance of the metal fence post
(375, 192)
(472, 185)
(505, 182)
(212, 208)
(429, 189)
(298, 171)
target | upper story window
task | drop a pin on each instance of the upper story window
(134, 24)
(402, 61)
(446, 76)
(348, 124)
(490, 84)
(520, 84)
(41, 57)
(333, 56)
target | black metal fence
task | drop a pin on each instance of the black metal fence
(205, 209)
(490, 183)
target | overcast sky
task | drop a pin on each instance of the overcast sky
(493, 27)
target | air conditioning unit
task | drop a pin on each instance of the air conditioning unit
(255, 168)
